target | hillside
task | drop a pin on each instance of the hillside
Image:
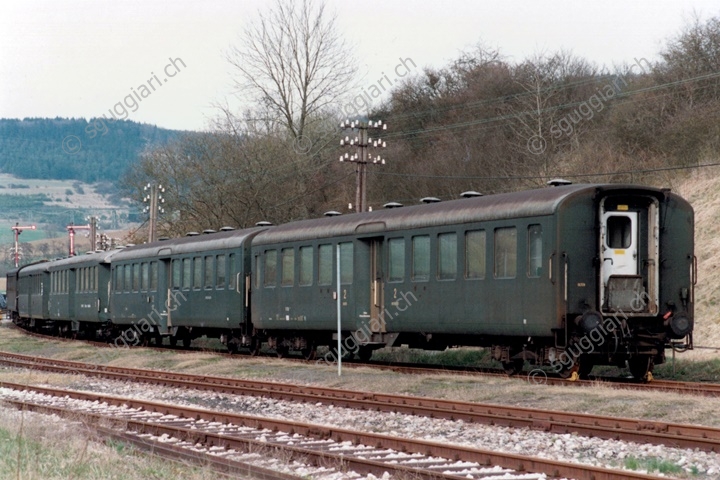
(703, 191)
(89, 151)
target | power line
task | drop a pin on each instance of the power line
(538, 177)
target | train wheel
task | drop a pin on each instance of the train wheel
(641, 367)
(187, 341)
(570, 373)
(513, 367)
(255, 345)
(586, 365)
(365, 353)
(309, 353)
(173, 341)
(281, 351)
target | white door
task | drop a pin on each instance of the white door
(619, 244)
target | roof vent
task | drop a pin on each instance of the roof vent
(470, 194)
(130, 245)
(89, 253)
(192, 234)
(208, 231)
(430, 200)
(264, 223)
(392, 205)
(559, 182)
(227, 229)
(163, 239)
(332, 213)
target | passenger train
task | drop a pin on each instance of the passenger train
(569, 276)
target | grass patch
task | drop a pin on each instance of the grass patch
(689, 370)
(451, 357)
(31, 446)
(652, 464)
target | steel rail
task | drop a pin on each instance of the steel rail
(616, 428)
(514, 462)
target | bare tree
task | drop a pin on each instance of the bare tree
(294, 63)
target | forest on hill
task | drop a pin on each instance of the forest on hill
(482, 122)
(95, 150)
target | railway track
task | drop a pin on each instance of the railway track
(225, 435)
(616, 428)
(535, 376)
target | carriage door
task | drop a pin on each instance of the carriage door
(377, 287)
(620, 249)
(163, 296)
(622, 288)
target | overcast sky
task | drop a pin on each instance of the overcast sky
(79, 58)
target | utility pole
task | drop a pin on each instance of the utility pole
(17, 229)
(154, 199)
(93, 233)
(362, 157)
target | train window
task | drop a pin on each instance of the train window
(505, 252)
(231, 278)
(153, 276)
(288, 267)
(534, 252)
(198, 271)
(257, 271)
(187, 273)
(220, 277)
(306, 266)
(447, 256)
(118, 278)
(78, 280)
(136, 277)
(346, 263)
(94, 279)
(619, 232)
(420, 258)
(325, 265)
(270, 268)
(475, 254)
(144, 276)
(176, 274)
(209, 271)
(128, 278)
(396, 260)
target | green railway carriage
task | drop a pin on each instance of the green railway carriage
(12, 292)
(185, 288)
(79, 292)
(570, 276)
(33, 282)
